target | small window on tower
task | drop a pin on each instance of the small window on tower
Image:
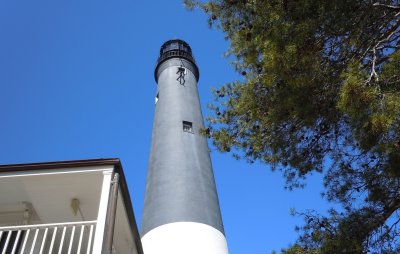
(156, 99)
(187, 126)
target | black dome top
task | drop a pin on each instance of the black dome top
(175, 45)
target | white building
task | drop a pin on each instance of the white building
(66, 207)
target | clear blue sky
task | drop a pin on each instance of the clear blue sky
(76, 82)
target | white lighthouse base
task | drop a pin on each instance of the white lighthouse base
(184, 238)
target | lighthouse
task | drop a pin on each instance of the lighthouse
(181, 212)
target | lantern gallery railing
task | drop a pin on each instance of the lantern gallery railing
(57, 238)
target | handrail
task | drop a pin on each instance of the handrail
(175, 53)
(35, 226)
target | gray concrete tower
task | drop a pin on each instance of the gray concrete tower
(181, 212)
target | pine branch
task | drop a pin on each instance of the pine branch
(391, 7)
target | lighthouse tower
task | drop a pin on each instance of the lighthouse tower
(181, 214)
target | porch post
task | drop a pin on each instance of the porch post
(110, 222)
(102, 214)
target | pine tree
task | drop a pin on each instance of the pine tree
(321, 93)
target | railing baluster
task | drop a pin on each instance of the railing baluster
(62, 240)
(46, 238)
(16, 242)
(25, 240)
(6, 243)
(43, 241)
(90, 240)
(71, 240)
(34, 241)
(80, 239)
(52, 240)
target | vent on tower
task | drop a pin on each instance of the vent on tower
(187, 126)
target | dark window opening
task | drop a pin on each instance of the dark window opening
(182, 69)
(187, 126)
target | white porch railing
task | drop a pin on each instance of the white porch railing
(57, 238)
